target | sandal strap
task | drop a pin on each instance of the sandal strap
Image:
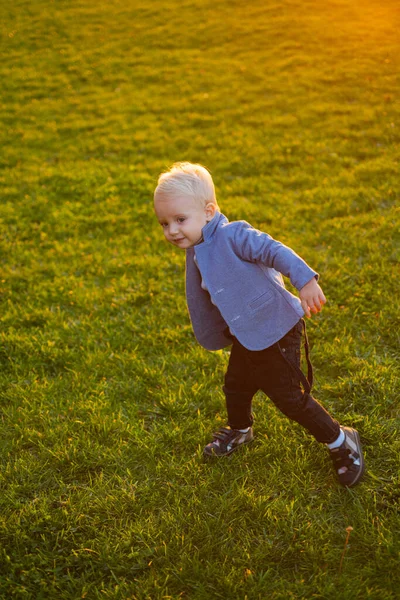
(224, 434)
(341, 458)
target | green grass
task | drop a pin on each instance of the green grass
(106, 398)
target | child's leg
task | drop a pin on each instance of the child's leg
(281, 383)
(239, 388)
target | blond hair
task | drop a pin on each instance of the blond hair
(187, 179)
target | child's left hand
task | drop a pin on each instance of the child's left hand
(312, 297)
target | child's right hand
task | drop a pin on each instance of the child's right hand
(312, 297)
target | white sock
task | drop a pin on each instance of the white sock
(338, 442)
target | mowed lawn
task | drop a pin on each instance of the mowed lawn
(106, 398)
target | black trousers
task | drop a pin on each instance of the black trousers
(276, 371)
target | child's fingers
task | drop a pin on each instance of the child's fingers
(313, 304)
(318, 301)
(317, 304)
(306, 309)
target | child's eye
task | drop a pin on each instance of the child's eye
(181, 219)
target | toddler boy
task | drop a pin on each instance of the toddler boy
(236, 296)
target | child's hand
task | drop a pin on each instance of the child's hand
(312, 297)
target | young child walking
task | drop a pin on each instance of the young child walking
(236, 297)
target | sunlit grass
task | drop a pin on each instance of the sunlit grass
(106, 398)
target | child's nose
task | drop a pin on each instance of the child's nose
(173, 229)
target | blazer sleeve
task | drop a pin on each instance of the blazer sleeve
(256, 246)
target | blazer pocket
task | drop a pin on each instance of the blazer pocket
(261, 300)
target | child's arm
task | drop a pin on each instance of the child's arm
(256, 246)
(312, 297)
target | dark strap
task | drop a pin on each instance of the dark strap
(310, 375)
(306, 381)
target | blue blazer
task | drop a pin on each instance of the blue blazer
(242, 269)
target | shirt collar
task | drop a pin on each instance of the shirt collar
(211, 226)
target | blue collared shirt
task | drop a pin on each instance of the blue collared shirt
(243, 290)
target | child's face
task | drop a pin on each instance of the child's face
(182, 219)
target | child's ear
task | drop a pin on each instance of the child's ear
(210, 210)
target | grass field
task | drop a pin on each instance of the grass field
(106, 398)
